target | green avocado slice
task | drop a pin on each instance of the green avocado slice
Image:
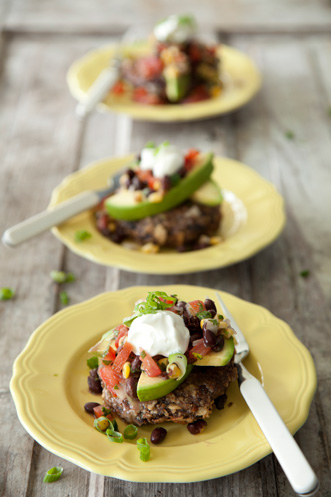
(218, 358)
(177, 87)
(123, 205)
(151, 388)
(208, 194)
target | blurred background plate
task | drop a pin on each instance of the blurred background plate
(239, 73)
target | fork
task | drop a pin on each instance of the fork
(295, 466)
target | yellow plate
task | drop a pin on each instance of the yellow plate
(239, 73)
(253, 218)
(50, 389)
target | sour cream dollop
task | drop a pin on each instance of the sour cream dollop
(175, 29)
(161, 333)
(163, 161)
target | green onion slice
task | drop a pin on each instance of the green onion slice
(114, 436)
(64, 297)
(53, 474)
(93, 362)
(130, 432)
(82, 235)
(102, 418)
(6, 293)
(144, 449)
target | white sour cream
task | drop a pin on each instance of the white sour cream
(161, 333)
(164, 161)
(175, 29)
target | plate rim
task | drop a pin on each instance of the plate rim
(256, 451)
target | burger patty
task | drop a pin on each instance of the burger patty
(192, 400)
(178, 227)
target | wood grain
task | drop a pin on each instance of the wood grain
(41, 142)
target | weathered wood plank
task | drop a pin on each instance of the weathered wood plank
(227, 16)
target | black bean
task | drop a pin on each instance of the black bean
(89, 407)
(194, 323)
(94, 382)
(130, 173)
(181, 304)
(196, 335)
(210, 305)
(136, 364)
(212, 313)
(220, 402)
(209, 338)
(131, 387)
(196, 427)
(158, 435)
(219, 344)
(166, 183)
(137, 184)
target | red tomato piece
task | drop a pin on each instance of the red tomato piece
(123, 331)
(110, 356)
(198, 350)
(102, 222)
(196, 306)
(149, 365)
(118, 88)
(98, 412)
(109, 377)
(149, 67)
(122, 357)
(141, 95)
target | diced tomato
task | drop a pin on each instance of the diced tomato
(118, 88)
(123, 331)
(110, 356)
(98, 412)
(122, 357)
(190, 158)
(109, 377)
(196, 306)
(141, 95)
(149, 67)
(149, 365)
(199, 349)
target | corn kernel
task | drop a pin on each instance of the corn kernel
(150, 248)
(111, 226)
(215, 240)
(155, 197)
(215, 91)
(138, 196)
(103, 424)
(174, 371)
(126, 370)
(201, 323)
(163, 363)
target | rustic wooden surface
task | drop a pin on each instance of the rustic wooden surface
(41, 142)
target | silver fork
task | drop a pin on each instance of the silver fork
(290, 457)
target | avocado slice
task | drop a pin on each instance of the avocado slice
(151, 388)
(208, 194)
(218, 358)
(103, 345)
(123, 205)
(176, 86)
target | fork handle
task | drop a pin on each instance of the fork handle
(47, 219)
(295, 465)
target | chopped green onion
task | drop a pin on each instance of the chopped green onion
(114, 436)
(82, 235)
(115, 387)
(196, 355)
(130, 432)
(102, 419)
(64, 297)
(289, 134)
(150, 145)
(62, 277)
(93, 362)
(143, 447)
(105, 411)
(305, 273)
(6, 293)
(220, 317)
(53, 474)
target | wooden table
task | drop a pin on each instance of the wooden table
(42, 142)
